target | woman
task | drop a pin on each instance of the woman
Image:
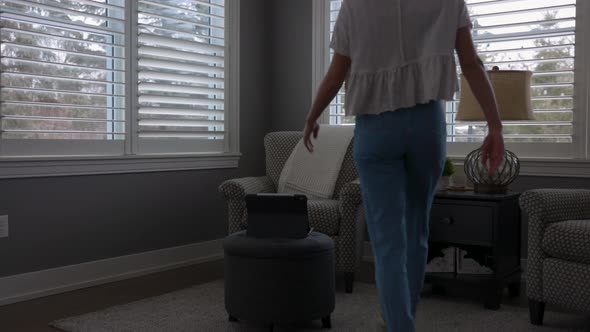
(398, 62)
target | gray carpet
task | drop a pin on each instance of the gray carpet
(201, 308)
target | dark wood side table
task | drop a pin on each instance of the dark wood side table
(488, 227)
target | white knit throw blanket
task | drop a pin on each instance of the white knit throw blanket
(315, 174)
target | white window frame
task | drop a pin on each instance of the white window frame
(574, 162)
(107, 163)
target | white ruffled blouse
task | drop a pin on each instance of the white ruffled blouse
(402, 52)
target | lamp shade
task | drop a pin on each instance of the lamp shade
(513, 94)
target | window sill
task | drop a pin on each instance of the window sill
(571, 168)
(23, 167)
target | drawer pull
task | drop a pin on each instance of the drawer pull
(446, 221)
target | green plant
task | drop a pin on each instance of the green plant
(449, 167)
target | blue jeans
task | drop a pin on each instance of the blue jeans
(400, 157)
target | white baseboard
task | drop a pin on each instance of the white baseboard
(368, 257)
(33, 285)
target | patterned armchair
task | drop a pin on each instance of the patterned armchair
(336, 217)
(558, 269)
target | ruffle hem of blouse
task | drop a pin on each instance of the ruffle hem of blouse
(433, 78)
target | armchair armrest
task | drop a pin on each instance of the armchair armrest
(239, 188)
(350, 194)
(352, 226)
(544, 207)
(552, 205)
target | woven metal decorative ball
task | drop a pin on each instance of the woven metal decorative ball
(497, 183)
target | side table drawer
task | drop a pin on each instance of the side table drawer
(466, 224)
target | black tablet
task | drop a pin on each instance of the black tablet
(277, 215)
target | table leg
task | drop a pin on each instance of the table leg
(514, 289)
(493, 298)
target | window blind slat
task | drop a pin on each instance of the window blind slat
(475, 4)
(58, 78)
(161, 99)
(528, 35)
(180, 134)
(187, 10)
(191, 4)
(184, 67)
(211, 81)
(159, 53)
(14, 117)
(56, 132)
(147, 39)
(519, 124)
(523, 64)
(71, 106)
(180, 123)
(180, 111)
(179, 89)
(546, 137)
(57, 98)
(525, 24)
(526, 50)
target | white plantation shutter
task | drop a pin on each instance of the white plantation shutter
(62, 77)
(181, 76)
(535, 35)
(337, 110)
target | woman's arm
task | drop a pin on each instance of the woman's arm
(331, 84)
(476, 75)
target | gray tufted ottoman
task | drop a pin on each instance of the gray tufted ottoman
(279, 281)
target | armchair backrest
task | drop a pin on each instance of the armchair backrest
(278, 147)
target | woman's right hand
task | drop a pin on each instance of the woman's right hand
(312, 128)
(493, 150)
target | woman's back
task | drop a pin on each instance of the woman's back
(401, 51)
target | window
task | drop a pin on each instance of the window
(63, 76)
(181, 75)
(535, 35)
(337, 111)
(118, 77)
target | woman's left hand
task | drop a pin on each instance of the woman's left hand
(311, 128)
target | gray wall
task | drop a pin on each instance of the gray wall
(291, 59)
(69, 220)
